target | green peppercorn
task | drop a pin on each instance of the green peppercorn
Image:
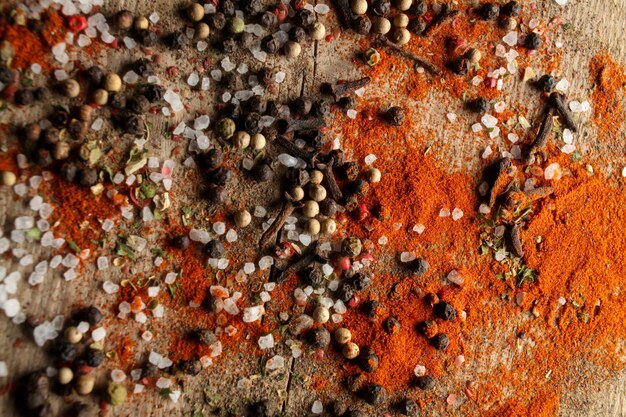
(225, 128)
(116, 393)
(351, 247)
(235, 25)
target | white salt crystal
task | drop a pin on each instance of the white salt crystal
(265, 262)
(254, 313)
(110, 287)
(98, 334)
(510, 38)
(317, 407)
(219, 228)
(489, 121)
(383, 240)
(287, 160)
(419, 228)
(321, 8)
(420, 370)
(568, 137)
(275, 362)
(451, 117)
(351, 113)
(131, 77)
(484, 209)
(444, 212)
(553, 171)
(193, 79)
(488, 151)
(231, 236)
(499, 106)
(369, 159)
(266, 342)
(454, 277)
(280, 77)
(568, 148)
(260, 211)
(562, 85)
(457, 213)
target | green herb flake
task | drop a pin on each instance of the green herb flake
(122, 249)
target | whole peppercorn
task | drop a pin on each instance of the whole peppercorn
(310, 209)
(94, 357)
(418, 266)
(347, 102)
(368, 361)
(230, 45)
(235, 25)
(131, 123)
(419, 8)
(218, 21)
(42, 94)
(112, 82)
(59, 118)
(143, 67)
(247, 40)
(241, 139)
(116, 393)
(257, 141)
(425, 382)
(350, 350)
(459, 66)
(474, 56)
(408, 407)
(312, 276)
(101, 96)
(262, 172)
(147, 37)
(65, 375)
(195, 12)
(141, 23)
(381, 7)
(297, 193)
(68, 172)
(6, 75)
(225, 128)
(302, 106)
(214, 304)
(317, 192)
(320, 108)
(391, 325)
(338, 408)
(489, 11)
(297, 34)
(358, 188)
(319, 338)
(532, 41)
(71, 88)
(205, 337)
(417, 26)
(478, 105)
(243, 218)
(95, 74)
(214, 248)
(24, 97)
(328, 227)
(292, 49)
(321, 315)
(117, 101)
(545, 83)
(181, 242)
(511, 9)
(88, 177)
(61, 150)
(395, 115)
(66, 351)
(428, 328)
(358, 7)
(190, 367)
(444, 311)
(50, 135)
(217, 195)
(92, 315)
(260, 409)
(304, 18)
(177, 40)
(317, 31)
(362, 25)
(153, 92)
(124, 20)
(400, 20)
(374, 394)
(7, 178)
(440, 341)
(219, 176)
(32, 132)
(313, 227)
(138, 104)
(212, 159)
(343, 335)
(401, 36)
(351, 247)
(202, 31)
(269, 20)
(328, 207)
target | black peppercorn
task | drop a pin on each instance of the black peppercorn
(214, 249)
(271, 44)
(362, 25)
(361, 281)
(419, 8)
(181, 242)
(6, 75)
(425, 382)
(88, 177)
(246, 40)
(218, 20)
(374, 394)
(214, 304)
(92, 315)
(304, 18)
(95, 75)
(269, 20)
(211, 160)
(347, 102)
(297, 34)
(68, 171)
(417, 26)
(440, 341)
(260, 409)
(144, 67)
(227, 7)
(381, 7)
(417, 266)
(408, 407)
(374, 309)
(153, 92)
(147, 37)
(117, 101)
(312, 276)
(131, 123)
(50, 135)
(94, 357)
(395, 115)
(190, 367)
(77, 129)
(219, 176)
(149, 370)
(205, 336)
(42, 94)
(138, 104)
(545, 83)
(316, 139)
(368, 361)
(489, 11)
(511, 9)
(24, 97)
(257, 104)
(478, 105)
(216, 195)
(229, 45)
(66, 351)
(337, 408)
(459, 66)
(532, 41)
(319, 337)
(176, 40)
(252, 123)
(320, 108)
(391, 325)
(328, 207)
(59, 118)
(444, 311)
(302, 106)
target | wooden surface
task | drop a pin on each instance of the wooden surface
(596, 25)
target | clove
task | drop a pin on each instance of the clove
(557, 100)
(329, 179)
(503, 177)
(516, 240)
(309, 257)
(438, 21)
(297, 125)
(542, 135)
(269, 236)
(344, 88)
(346, 15)
(516, 199)
(402, 52)
(293, 149)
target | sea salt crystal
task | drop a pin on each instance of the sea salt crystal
(321, 8)
(154, 17)
(562, 85)
(231, 236)
(265, 262)
(451, 117)
(419, 228)
(117, 375)
(499, 106)
(351, 113)
(457, 213)
(407, 256)
(98, 334)
(227, 65)
(205, 83)
(251, 314)
(24, 222)
(275, 362)
(317, 407)
(444, 212)
(369, 159)
(201, 122)
(568, 137)
(510, 38)
(568, 148)
(259, 211)
(553, 172)
(280, 77)
(489, 121)
(513, 137)
(131, 77)
(477, 127)
(484, 209)
(266, 342)
(501, 255)
(454, 277)
(110, 287)
(219, 228)
(488, 151)
(494, 132)
(198, 235)
(193, 79)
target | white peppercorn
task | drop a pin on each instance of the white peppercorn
(401, 36)
(381, 25)
(292, 49)
(195, 11)
(358, 7)
(316, 177)
(400, 20)
(321, 314)
(317, 31)
(257, 141)
(112, 82)
(297, 193)
(243, 218)
(317, 192)
(8, 178)
(311, 209)
(343, 335)
(73, 335)
(328, 227)
(241, 139)
(313, 227)
(350, 350)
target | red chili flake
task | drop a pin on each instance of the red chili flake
(207, 63)
(77, 23)
(367, 257)
(154, 110)
(299, 4)
(354, 301)
(172, 71)
(319, 354)
(491, 82)
(329, 37)
(104, 408)
(149, 52)
(114, 44)
(361, 212)
(281, 12)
